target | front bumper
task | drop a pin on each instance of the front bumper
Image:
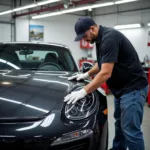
(84, 142)
(39, 143)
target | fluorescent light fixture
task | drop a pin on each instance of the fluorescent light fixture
(148, 24)
(29, 6)
(128, 26)
(46, 15)
(86, 7)
(6, 12)
(47, 2)
(124, 1)
(102, 5)
(25, 7)
(75, 9)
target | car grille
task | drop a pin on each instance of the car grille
(77, 145)
(24, 144)
(40, 144)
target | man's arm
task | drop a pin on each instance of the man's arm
(91, 72)
(94, 70)
(101, 77)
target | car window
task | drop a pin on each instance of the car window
(36, 56)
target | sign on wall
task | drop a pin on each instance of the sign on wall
(36, 33)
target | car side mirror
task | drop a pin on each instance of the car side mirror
(86, 66)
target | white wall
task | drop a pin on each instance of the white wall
(5, 28)
(5, 32)
(58, 29)
(139, 36)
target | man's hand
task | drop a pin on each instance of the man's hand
(75, 96)
(79, 76)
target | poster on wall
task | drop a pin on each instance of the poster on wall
(36, 33)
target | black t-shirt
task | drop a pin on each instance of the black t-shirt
(127, 74)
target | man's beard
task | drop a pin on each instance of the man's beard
(92, 41)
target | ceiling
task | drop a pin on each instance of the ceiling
(65, 4)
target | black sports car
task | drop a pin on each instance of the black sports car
(33, 84)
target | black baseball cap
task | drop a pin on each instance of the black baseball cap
(82, 25)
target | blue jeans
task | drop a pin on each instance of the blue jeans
(129, 115)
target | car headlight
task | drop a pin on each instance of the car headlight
(83, 108)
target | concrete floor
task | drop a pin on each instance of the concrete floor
(145, 125)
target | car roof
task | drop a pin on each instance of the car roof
(41, 43)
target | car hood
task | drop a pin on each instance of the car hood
(27, 94)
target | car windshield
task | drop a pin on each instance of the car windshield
(36, 57)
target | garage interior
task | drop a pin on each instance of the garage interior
(57, 19)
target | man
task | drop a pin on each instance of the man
(119, 66)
